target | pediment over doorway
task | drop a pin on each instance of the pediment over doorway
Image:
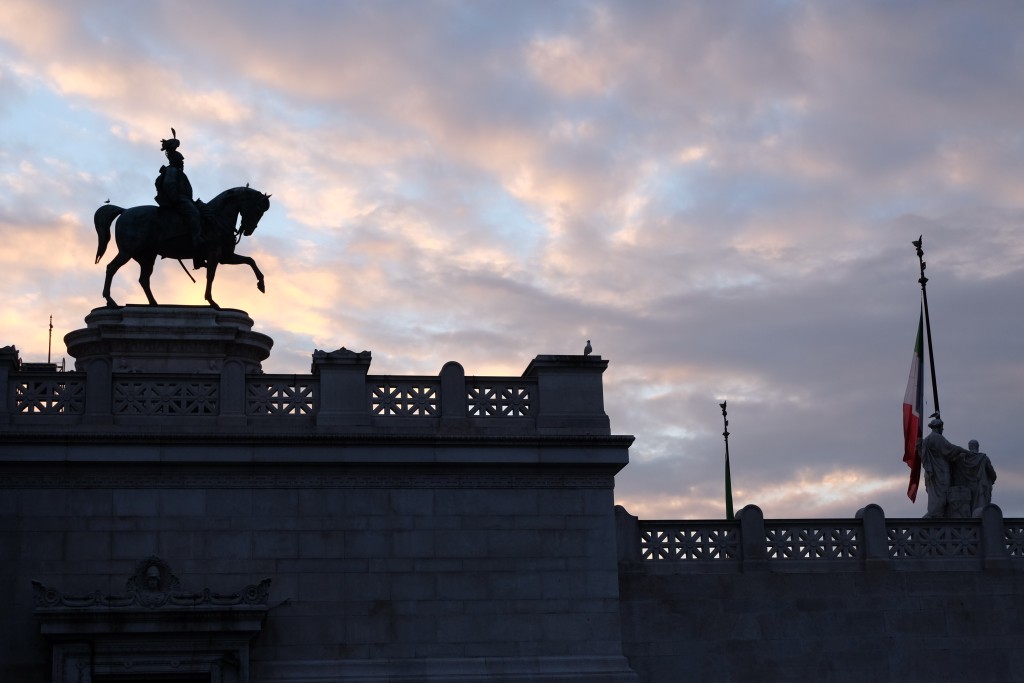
(154, 631)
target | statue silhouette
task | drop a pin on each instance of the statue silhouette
(174, 192)
(144, 232)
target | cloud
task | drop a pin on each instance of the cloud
(720, 196)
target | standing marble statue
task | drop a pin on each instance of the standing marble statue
(938, 457)
(978, 475)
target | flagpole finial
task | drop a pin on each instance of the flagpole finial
(918, 243)
(728, 473)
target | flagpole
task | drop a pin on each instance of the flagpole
(728, 474)
(927, 321)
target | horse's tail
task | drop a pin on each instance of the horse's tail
(103, 218)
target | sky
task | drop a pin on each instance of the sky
(720, 196)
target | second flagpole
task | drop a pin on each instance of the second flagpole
(927, 321)
(728, 473)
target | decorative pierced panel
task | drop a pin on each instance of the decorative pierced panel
(1014, 534)
(405, 397)
(49, 395)
(807, 540)
(285, 395)
(689, 541)
(157, 397)
(927, 539)
(500, 397)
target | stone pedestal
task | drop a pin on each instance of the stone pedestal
(342, 386)
(171, 339)
(572, 395)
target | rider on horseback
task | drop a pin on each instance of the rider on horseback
(174, 192)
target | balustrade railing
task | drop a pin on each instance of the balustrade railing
(281, 395)
(931, 538)
(48, 393)
(278, 395)
(824, 542)
(812, 539)
(689, 541)
(1013, 536)
(330, 396)
(136, 394)
(403, 396)
(500, 397)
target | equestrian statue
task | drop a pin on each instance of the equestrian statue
(180, 228)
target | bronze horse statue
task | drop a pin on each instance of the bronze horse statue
(145, 232)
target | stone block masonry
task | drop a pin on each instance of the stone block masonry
(170, 512)
(411, 528)
(863, 599)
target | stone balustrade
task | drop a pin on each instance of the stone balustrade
(199, 369)
(329, 399)
(751, 543)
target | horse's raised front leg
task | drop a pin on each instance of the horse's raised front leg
(112, 268)
(145, 272)
(235, 259)
(211, 271)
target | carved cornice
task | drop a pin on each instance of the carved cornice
(233, 347)
(151, 586)
(145, 434)
(194, 476)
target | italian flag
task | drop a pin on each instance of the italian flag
(912, 403)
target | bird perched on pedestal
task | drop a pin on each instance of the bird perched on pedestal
(587, 349)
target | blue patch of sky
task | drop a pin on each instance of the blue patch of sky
(410, 190)
(306, 116)
(783, 115)
(478, 27)
(45, 125)
(726, 282)
(884, 210)
(755, 193)
(748, 195)
(672, 190)
(508, 218)
(33, 119)
(115, 27)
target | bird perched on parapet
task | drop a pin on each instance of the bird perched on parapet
(587, 349)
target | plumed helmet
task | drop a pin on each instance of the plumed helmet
(171, 144)
(936, 422)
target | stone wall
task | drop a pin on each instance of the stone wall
(803, 600)
(427, 570)
(168, 510)
(411, 528)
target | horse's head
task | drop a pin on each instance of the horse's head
(252, 206)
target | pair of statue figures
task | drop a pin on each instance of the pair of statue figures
(959, 480)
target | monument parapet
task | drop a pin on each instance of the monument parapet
(414, 527)
(427, 528)
(199, 370)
